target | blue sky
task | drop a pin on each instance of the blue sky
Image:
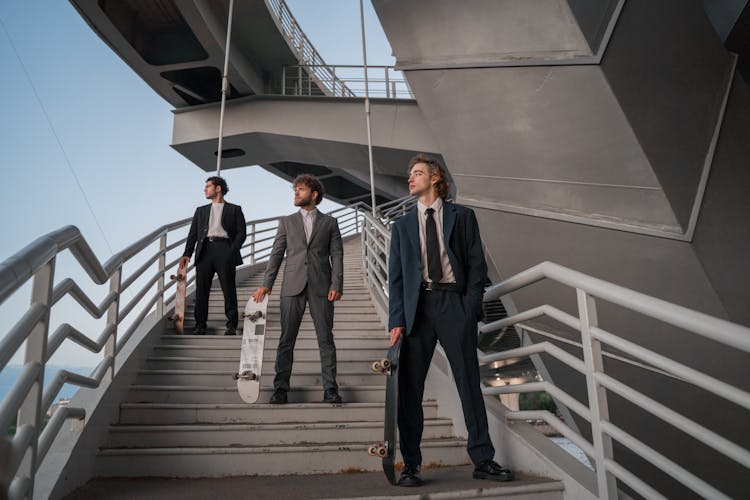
(76, 107)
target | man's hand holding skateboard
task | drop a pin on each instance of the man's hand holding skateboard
(396, 333)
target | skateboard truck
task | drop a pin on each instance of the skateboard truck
(254, 316)
(246, 375)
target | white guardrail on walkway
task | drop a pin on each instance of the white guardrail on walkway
(376, 241)
(26, 404)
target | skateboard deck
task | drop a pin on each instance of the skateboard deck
(179, 302)
(251, 352)
(386, 449)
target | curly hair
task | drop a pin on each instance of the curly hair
(311, 182)
(442, 186)
(219, 182)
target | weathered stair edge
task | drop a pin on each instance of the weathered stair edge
(270, 460)
(517, 445)
(71, 459)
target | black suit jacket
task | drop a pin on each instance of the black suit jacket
(233, 222)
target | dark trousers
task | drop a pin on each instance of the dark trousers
(216, 257)
(441, 315)
(292, 309)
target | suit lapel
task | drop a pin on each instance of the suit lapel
(224, 215)
(449, 220)
(412, 229)
(299, 224)
(316, 225)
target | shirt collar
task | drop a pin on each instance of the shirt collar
(308, 213)
(435, 206)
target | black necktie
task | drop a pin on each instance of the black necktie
(434, 268)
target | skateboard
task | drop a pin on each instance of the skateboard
(179, 299)
(386, 449)
(251, 352)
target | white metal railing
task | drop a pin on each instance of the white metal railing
(376, 243)
(320, 73)
(344, 80)
(22, 453)
(599, 383)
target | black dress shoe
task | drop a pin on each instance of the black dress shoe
(278, 397)
(410, 476)
(492, 471)
(331, 396)
(231, 330)
(199, 330)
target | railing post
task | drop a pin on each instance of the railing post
(356, 220)
(387, 87)
(283, 80)
(592, 357)
(299, 80)
(30, 412)
(113, 316)
(162, 270)
(252, 243)
(333, 72)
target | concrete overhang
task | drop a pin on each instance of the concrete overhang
(328, 136)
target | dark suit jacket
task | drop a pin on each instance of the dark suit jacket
(318, 264)
(233, 222)
(464, 247)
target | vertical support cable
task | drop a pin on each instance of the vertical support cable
(598, 407)
(367, 108)
(31, 413)
(224, 88)
(162, 270)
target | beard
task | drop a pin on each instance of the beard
(304, 202)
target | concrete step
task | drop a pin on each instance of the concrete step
(269, 354)
(343, 310)
(305, 365)
(366, 322)
(259, 413)
(306, 330)
(165, 436)
(266, 460)
(229, 394)
(223, 378)
(210, 350)
(306, 336)
(445, 483)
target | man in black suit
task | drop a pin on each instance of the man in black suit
(216, 233)
(435, 280)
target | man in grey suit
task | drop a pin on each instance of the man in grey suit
(314, 275)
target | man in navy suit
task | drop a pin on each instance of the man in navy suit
(216, 234)
(436, 281)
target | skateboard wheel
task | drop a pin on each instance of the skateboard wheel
(386, 363)
(376, 367)
(382, 451)
(372, 450)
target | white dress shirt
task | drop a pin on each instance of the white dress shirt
(308, 218)
(215, 229)
(448, 276)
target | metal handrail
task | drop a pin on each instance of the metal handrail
(589, 290)
(344, 80)
(36, 263)
(376, 236)
(306, 53)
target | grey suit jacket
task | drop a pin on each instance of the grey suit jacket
(319, 264)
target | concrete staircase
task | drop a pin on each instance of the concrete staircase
(183, 417)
